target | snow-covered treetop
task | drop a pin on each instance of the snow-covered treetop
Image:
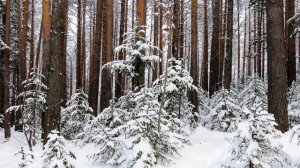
(138, 50)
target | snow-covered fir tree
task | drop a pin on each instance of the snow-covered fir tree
(178, 83)
(33, 100)
(139, 136)
(225, 114)
(255, 144)
(255, 91)
(76, 115)
(56, 153)
(140, 54)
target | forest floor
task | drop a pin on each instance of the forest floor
(206, 149)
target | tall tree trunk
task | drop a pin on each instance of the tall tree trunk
(290, 43)
(194, 54)
(64, 93)
(31, 64)
(181, 30)
(223, 18)
(175, 39)
(79, 61)
(139, 80)
(55, 70)
(244, 51)
(228, 58)
(95, 60)
(24, 40)
(214, 60)
(277, 77)
(249, 56)
(7, 122)
(46, 29)
(204, 67)
(238, 42)
(83, 47)
(120, 80)
(2, 36)
(259, 39)
(107, 48)
(155, 39)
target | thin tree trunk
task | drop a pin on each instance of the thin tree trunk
(249, 56)
(46, 29)
(7, 122)
(194, 54)
(175, 39)
(244, 52)
(107, 48)
(95, 60)
(83, 47)
(277, 76)
(290, 43)
(64, 93)
(238, 42)
(214, 60)
(204, 71)
(228, 58)
(79, 61)
(120, 80)
(31, 65)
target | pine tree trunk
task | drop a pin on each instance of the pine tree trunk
(120, 80)
(290, 43)
(249, 56)
(79, 61)
(228, 58)
(204, 70)
(214, 60)
(277, 76)
(175, 39)
(244, 50)
(2, 36)
(181, 30)
(7, 119)
(107, 49)
(46, 29)
(238, 42)
(55, 66)
(83, 47)
(194, 54)
(139, 80)
(64, 93)
(259, 45)
(31, 64)
(95, 60)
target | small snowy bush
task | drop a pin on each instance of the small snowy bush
(26, 156)
(136, 133)
(255, 144)
(178, 83)
(56, 154)
(225, 114)
(76, 115)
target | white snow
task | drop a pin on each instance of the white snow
(207, 148)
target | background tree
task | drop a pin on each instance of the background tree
(95, 60)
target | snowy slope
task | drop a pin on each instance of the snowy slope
(206, 149)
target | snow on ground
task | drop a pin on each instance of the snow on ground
(206, 149)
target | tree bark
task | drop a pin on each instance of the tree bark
(194, 54)
(175, 39)
(55, 66)
(277, 77)
(228, 58)
(7, 120)
(79, 60)
(214, 60)
(31, 64)
(95, 60)
(46, 29)
(290, 43)
(204, 67)
(107, 48)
